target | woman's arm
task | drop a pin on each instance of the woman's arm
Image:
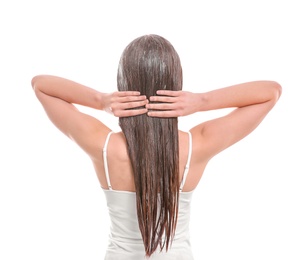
(75, 93)
(67, 90)
(58, 96)
(182, 103)
(251, 102)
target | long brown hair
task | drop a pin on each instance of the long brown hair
(150, 63)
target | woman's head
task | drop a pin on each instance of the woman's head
(147, 64)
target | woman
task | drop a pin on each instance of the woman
(149, 170)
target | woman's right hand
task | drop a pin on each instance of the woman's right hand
(174, 103)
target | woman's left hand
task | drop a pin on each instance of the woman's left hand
(125, 103)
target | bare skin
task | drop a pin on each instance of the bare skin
(250, 101)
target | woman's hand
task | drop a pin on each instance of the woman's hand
(125, 103)
(174, 103)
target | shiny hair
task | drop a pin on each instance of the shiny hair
(150, 63)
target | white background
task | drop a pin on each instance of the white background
(252, 200)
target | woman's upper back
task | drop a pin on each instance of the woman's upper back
(119, 166)
(125, 238)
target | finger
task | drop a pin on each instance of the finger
(160, 106)
(116, 108)
(131, 98)
(169, 113)
(127, 93)
(171, 93)
(129, 105)
(163, 99)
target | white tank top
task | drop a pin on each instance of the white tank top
(125, 241)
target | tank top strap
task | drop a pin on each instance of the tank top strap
(187, 166)
(105, 161)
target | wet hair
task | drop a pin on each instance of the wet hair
(150, 63)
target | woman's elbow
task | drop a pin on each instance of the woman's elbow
(37, 80)
(276, 90)
(34, 81)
